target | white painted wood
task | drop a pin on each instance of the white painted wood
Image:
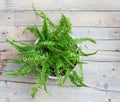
(6, 18)
(108, 45)
(98, 19)
(101, 75)
(100, 56)
(20, 91)
(103, 56)
(109, 51)
(104, 19)
(95, 33)
(60, 4)
(101, 45)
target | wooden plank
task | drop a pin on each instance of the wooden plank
(6, 18)
(60, 4)
(101, 75)
(109, 45)
(97, 33)
(16, 33)
(104, 56)
(12, 92)
(97, 19)
(100, 56)
(77, 32)
(109, 50)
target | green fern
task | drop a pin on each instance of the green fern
(55, 54)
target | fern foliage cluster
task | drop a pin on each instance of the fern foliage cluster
(55, 54)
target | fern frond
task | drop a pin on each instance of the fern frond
(86, 54)
(18, 47)
(81, 40)
(23, 70)
(35, 89)
(76, 79)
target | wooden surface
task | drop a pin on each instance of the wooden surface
(99, 19)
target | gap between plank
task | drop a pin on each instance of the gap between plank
(80, 10)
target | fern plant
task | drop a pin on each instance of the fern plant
(55, 54)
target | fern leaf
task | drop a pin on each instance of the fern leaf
(81, 40)
(23, 70)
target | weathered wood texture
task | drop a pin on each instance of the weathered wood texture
(60, 5)
(78, 18)
(99, 77)
(96, 33)
(19, 93)
(99, 19)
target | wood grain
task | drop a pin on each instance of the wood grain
(88, 19)
(95, 33)
(60, 4)
(101, 75)
(20, 91)
(100, 45)
(100, 56)
(106, 53)
(98, 19)
(6, 18)
(111, 45)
